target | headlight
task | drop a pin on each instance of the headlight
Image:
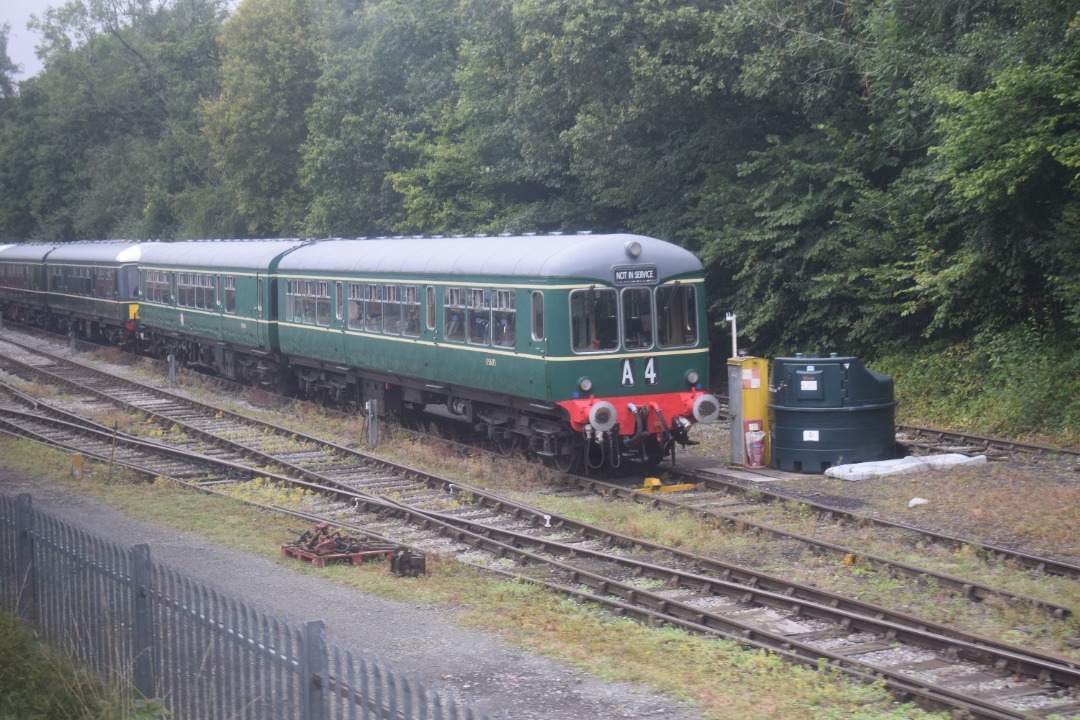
(692, 377)
(585, 384)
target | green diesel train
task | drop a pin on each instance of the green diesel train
(579, 348)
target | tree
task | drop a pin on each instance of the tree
(387, 69)
(119, 141)
(7, 68)
(256, 124)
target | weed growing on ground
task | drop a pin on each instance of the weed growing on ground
(39, 682)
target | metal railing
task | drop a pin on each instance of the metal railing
(200, 653)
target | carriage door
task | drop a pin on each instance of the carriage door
(262, 328)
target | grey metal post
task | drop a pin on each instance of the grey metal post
(373, 422)
(314, 672)
(24, 557)
(71, 341)
(142, 622)
(172, 369)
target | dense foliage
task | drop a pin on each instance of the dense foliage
(856, 176)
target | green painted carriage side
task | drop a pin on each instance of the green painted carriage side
(250, 322)
(545, 370)
(22, 275)
(107, 292)
(429, 359)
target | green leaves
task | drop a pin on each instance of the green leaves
(853, 174)
(256, 124)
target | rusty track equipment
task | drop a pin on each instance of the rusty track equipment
(321, 545)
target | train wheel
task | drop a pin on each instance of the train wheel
(567, 463)
(506, 445)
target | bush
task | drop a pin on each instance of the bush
(1022, 384)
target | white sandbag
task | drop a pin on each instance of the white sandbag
(883, 468)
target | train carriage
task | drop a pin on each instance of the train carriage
(212, 304)
(567, 343)
(23, 283)
(93, 289)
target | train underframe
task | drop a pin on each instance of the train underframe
(508, 424)
(81, 327)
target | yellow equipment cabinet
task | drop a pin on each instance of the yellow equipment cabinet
(748, 405)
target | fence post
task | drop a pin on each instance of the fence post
(142, 622)
(24, 558)
(314, 672)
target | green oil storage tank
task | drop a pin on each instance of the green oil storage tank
(829, 411)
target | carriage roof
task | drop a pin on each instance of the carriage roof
(113, 252)
(217, 254)
(576, 256)
(25, 252)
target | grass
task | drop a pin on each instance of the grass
(718, 676)
(39, 683)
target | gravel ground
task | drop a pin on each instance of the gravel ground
(416, 639)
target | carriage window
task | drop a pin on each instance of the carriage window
(104, 283)
(339, 308)
(322, 303)
(503, 319)
(538, 316)
(478, 316)
(410, 311)
(157, 286)
(594, 323)
(392, 310)
(430, 308)
(637, 318)
(259, 296)
(185, 292)
(203, 286)
(230, 293)
(373, 308)
(454, 314)
(676, 315)
(356, 306)
(303, 303)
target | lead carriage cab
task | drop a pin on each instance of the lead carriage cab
(638, 342)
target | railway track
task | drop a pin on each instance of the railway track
(709, 505)
(716, 488)
(923, 437)
(631, 577)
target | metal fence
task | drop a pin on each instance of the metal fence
(199, 652)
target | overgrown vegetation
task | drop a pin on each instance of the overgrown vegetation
(854, 176)
(1023, 383)
(39, 683)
